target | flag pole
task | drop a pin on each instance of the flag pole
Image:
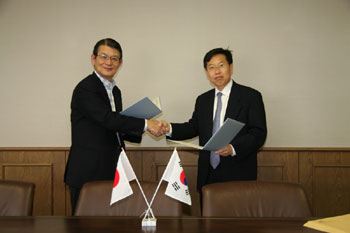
(154, 195)
(144, 197)
(165, 172)
(138, 183)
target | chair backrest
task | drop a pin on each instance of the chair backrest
(255, 199)
(95, 197)
(16, 198)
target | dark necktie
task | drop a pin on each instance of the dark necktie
(214, 158)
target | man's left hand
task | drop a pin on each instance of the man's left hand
(226, 151)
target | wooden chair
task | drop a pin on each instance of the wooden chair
(255, 199)
(94, 200)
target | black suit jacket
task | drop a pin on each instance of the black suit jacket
(245, 105)
(95, 147)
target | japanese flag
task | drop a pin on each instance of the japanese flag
(123, 175)
(177, 185)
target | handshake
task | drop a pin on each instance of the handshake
(158, 128)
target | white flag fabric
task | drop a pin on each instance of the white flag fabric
(177, 185)
(123, 175)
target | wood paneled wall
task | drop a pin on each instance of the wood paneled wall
(42, 166)
(323, 172)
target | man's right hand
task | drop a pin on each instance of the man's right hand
(153, 126)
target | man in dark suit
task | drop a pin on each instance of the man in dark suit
(237, 160)
(98, 130)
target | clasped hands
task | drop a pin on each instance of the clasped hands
(158, 128)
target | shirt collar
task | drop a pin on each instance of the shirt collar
(227, 89)
(108, 85)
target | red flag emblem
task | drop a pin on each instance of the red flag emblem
(116, 178)
(183, 178)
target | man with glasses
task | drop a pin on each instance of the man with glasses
(237, 160)
(98, 130)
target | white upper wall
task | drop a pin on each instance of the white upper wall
(296, 53)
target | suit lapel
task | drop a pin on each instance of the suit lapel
(209, 109)
(233, 105)
(100, 88)
(117, 99)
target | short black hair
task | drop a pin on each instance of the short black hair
(213, 52)
(110, 43)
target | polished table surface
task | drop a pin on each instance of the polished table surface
(55, 224)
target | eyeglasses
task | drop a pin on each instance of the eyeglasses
(213, 67)
(105, 58)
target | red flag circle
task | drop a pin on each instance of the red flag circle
(183, 178)
(116, 178)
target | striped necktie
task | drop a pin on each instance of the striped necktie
(214, 158)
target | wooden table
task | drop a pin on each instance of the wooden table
(54, 224)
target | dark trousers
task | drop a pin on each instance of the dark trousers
(215, 175)
(74, 196)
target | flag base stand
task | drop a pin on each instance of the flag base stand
(149, 222)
